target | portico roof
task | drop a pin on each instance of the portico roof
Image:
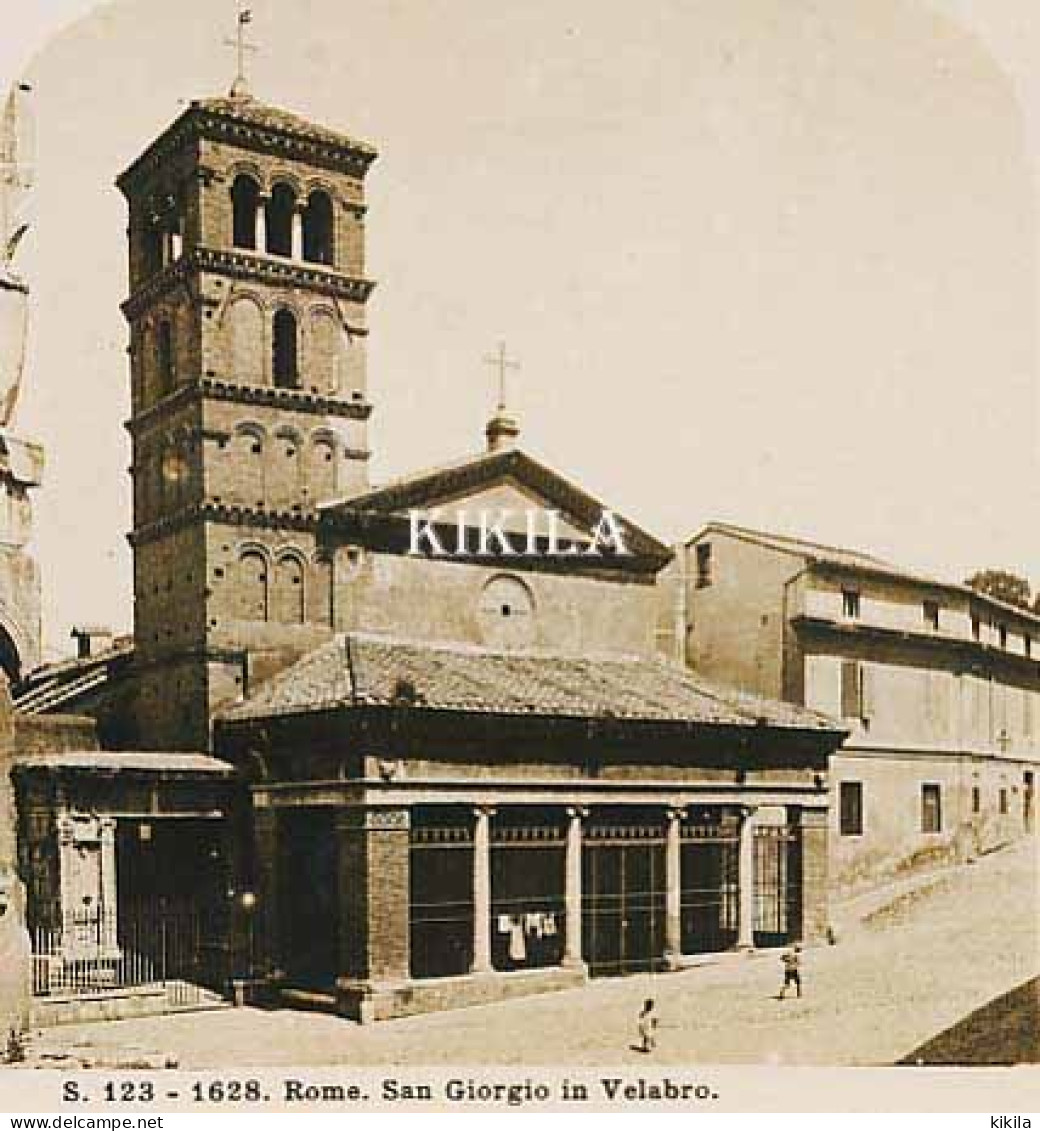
(125, 761)
(366, 670)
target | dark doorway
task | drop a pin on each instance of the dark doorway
(308, 889)
(709, 905)
(173, 911)
(778, 888)
(527, 906)
(623, 903)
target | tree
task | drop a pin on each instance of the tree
(1004, 586)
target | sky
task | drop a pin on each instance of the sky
(765, 261)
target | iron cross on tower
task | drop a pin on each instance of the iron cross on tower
(240, 87)
(503, 364)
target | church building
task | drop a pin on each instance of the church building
(466, 771)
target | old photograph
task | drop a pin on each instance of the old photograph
(518, 535)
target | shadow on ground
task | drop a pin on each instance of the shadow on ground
(1004, 1031)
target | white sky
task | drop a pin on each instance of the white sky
(770, 261)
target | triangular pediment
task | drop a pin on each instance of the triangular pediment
(510, 487)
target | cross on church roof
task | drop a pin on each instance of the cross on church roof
(240, 87)
(502, 363)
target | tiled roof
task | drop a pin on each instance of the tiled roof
(818, 552)
(55, 685)
(255, 113)
(361, 669)
(145, 761)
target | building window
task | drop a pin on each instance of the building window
(280, 211)
(850, 797)
(1002, 635)
(507, 612)
(852, 690)
(704, 565)
(318, 229)
(1003, 801)
(254, 593)
(850, 604)
(976, 799)
(931, 807)
(1027, 644)
(976, 627)
(245, 200)
(931, 615)
(285, 351)
(166, 364)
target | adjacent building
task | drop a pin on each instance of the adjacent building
(938, 685)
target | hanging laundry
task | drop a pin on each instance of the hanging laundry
(517, 942)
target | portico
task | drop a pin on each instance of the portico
(465, 858)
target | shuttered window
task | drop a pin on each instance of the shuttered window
(931, 808)
(850, 797)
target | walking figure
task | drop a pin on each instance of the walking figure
(648, 1026)
(792, 960)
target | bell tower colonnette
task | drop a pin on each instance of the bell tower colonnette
(249, 401)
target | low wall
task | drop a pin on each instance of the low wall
(366, 1003)
(122, 1004)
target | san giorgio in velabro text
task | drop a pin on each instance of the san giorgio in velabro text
(518, 1093)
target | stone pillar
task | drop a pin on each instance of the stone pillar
(673, 889)
(374, 866)
(482, 890)
(297, 233)
(572, 889)
(814, 853)
(266, 933)
(109, 894)
(746, 882)
(261, 223)
(15, 948)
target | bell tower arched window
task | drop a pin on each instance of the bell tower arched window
(280, 212)
(289, 598)
(167, 368)
(245, 197)
(318, 243)
(254, 593)
(286, 350)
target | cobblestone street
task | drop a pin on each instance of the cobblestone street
(870, 1000)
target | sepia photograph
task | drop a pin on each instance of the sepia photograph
(519, 560)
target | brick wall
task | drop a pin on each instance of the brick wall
(374, 893)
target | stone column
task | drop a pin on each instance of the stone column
(109, 894)
(482, 890)
(673, 889)
(297, 233)
(572, 889)
(746, 882)
(261, 223)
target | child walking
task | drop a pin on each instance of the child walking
(648, 1026)
(792, 960)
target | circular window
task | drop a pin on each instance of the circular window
(507, 613)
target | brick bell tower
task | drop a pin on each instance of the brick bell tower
(248, 393)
